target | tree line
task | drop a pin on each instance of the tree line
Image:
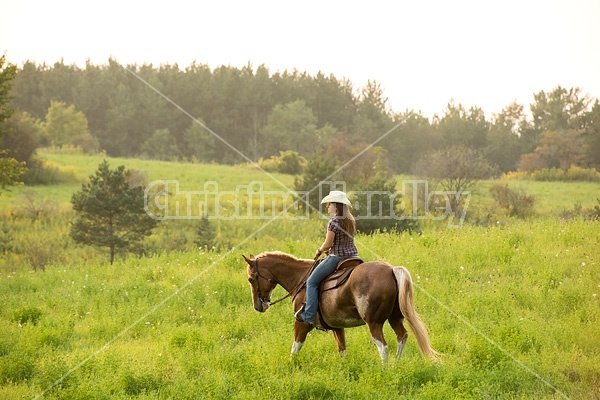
(292, 122)
(231, 115)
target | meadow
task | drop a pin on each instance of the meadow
(514, 307)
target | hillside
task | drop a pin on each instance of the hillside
(551, 197)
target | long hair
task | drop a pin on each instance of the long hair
(347, 222)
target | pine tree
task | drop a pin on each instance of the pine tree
(110, 212)
(319, 168)
(205, 234)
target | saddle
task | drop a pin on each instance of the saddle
(336, 279)
(341, 274)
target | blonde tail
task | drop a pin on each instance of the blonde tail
(407, 306)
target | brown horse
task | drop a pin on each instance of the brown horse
(374, 293)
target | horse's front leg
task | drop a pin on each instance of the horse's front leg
(340, 338)
(300, 332)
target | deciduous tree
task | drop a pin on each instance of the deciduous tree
(563, 148)
(456, 169)
(198, 143)
(64, 123)
(503, 145)
(291, 126)
(461, 127)
(593, 137)
(161, 146)
(560, 109)
(10, 169)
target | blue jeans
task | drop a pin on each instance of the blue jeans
(325, 268)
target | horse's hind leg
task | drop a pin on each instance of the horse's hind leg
(401, 332)
(376, 330)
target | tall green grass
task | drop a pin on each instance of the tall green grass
(514, 307)
(515, 310)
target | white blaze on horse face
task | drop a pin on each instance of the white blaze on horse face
(296, 347)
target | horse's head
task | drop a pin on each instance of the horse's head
(261, 286)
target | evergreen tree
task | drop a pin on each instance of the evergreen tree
(110, 212)
(379, 207)
(318, 168)
(205, 234)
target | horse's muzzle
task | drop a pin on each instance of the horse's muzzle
(262, 305)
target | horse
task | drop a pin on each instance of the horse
(375, 292)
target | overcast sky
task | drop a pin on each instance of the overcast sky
(423, 53)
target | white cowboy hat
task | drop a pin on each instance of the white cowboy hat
(336, 196)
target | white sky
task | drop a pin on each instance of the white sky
(422, 52)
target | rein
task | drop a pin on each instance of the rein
(293, 292)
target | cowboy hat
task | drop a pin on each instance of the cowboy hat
(336, 196)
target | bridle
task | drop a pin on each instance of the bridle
(294, 291)
(258, 293)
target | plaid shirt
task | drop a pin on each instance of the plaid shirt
(343, 244)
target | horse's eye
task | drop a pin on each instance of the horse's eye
(250, 280)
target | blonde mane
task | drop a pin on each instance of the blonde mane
(278, 253)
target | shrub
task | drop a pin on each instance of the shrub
(35, 208)
(517, 203)
(43, 252)
(574, 173)
(28, 315)
(547, 174)
(47, 173)
(594, 213)
(288, 162)
(134, 385)
(87, 143)
(579, 174)
(16, 367)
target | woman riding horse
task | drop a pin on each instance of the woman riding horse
(375, 292)
(339, 243)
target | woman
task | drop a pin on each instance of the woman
(339, 243)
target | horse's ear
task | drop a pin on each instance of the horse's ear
(247, 260)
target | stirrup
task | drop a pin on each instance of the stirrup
(298, 316)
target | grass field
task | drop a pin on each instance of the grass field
(514, 307)
(515, 311)
(551, 197)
